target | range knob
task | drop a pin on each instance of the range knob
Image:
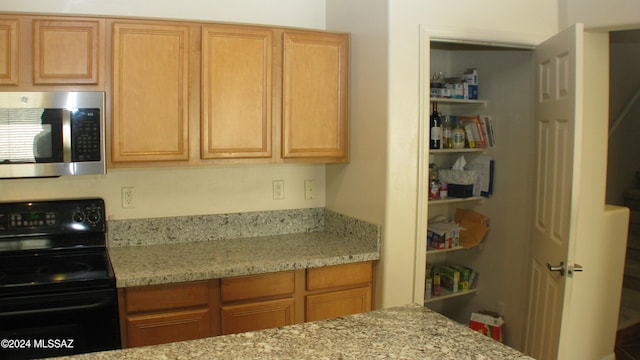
(93, 216)
(78, 216)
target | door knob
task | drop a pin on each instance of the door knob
(560, 268)
(573, 269)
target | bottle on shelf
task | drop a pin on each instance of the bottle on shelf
(436, 128)
(434, 184)
(457, 137)
(446, 132)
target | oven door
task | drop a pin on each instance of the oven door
(36, 326)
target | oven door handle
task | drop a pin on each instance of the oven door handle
(91, 306)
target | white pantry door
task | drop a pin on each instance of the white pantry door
(569, 210)
(552, 232)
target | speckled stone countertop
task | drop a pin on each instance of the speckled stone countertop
(406, 332)
(168, 250)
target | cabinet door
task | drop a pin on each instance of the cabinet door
(150, 92)
(335, 276)
(9, 51)
(66, 52)
(279, 284)
(315, 96)
(236, 92)
(168, 327)
(166, 297)
(257, 315)
(338, 303)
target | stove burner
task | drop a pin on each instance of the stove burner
(63, 271)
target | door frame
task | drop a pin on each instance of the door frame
(426, 35)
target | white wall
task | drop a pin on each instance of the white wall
(359, 188)
(385, 82)
(599, 14)
(183, 191)
(528, 22)
(298, 13)
(534, 22)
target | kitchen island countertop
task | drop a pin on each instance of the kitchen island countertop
(405, 332)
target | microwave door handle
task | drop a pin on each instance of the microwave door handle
(66, 135)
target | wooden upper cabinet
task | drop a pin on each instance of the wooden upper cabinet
(315, 96)
(9, 51)
(236, 120)
(66, 52)
(150, 120)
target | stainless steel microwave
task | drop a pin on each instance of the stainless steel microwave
(47, 134)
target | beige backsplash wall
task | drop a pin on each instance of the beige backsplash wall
(181, 191)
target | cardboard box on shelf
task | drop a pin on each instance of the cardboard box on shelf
(487, 323)
(450, 279)
(470, 77)
(465, 277)
(476, 225)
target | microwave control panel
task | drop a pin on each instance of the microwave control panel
(85, 135)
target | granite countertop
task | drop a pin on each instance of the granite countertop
(169, 250)
(169, 263)
(406, 332)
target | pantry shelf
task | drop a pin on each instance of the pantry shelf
(444, 294)
(455, 200)
(454, 151)
(482, 103)
(440, 251)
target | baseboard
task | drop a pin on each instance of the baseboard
(611, 356)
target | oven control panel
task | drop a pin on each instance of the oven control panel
(52, 217)
(33, 219)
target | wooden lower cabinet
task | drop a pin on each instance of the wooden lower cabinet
(157, 314)
(168, 327)
(338, 290)
(257, 315)
(338, 303)
(257, 302)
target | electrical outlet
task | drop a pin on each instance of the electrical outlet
(500, 308)
(309, 189)
(278, 189)
(128, 197)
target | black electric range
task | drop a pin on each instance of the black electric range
(57, 287)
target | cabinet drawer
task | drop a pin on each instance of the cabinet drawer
(257, 316)
(338, 303)
(168, 327)
(339, 275)
(170, 296)
(257, 286)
